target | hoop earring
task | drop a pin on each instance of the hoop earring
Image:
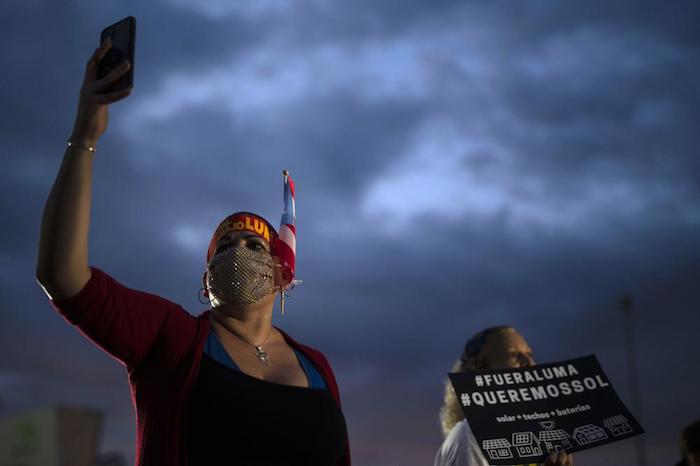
(201, 294)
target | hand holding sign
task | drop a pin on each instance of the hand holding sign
(559, 459)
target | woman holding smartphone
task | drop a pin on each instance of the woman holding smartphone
(225, 387)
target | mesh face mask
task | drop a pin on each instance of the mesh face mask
(241, 276)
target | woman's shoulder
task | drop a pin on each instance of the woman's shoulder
(460, 431)
(458, 440)
(460, 448)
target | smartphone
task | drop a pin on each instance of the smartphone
(123, 35)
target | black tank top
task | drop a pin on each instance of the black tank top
(239, 420)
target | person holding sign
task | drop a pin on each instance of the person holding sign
(499, 347)
(225, 387)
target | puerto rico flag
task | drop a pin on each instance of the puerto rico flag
(287, 242)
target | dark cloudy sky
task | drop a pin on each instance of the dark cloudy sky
(458, 165)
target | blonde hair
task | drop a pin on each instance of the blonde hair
(451, 412)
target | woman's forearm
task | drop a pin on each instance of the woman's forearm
(62, 267)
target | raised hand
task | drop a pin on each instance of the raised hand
(93, 117)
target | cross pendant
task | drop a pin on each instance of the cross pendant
(262, 356)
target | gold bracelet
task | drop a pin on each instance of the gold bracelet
(88, 148)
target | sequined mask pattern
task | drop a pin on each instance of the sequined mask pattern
(241, 276)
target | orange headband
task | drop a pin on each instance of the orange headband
(243, 221)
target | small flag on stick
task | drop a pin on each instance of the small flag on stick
(287, 244)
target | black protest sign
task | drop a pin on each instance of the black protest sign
(521, 415)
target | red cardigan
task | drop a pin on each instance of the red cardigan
(161, 346)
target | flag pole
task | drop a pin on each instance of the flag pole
(285, 176)
(632, 374)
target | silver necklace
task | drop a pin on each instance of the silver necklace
(260, 353)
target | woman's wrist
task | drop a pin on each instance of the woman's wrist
(81, 147)
(82, 141)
